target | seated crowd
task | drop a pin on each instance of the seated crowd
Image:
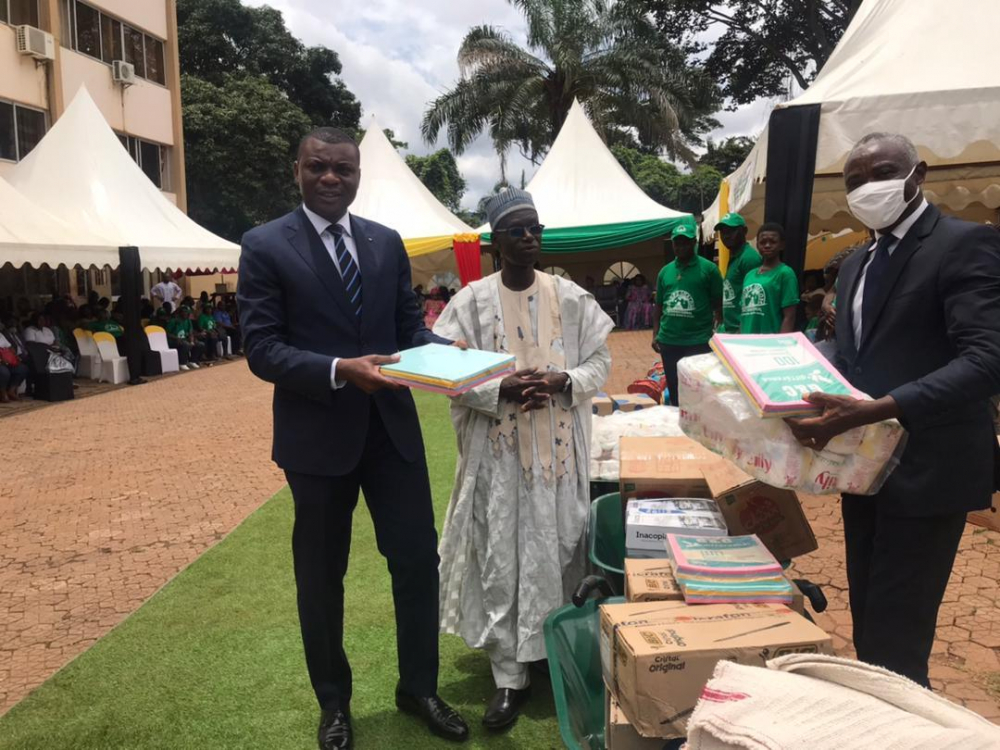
(202, 332)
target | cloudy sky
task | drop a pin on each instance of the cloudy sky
(398, 55)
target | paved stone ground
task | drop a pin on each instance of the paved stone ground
(92, 523)
(105, 499)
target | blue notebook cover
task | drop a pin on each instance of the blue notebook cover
(447, 363)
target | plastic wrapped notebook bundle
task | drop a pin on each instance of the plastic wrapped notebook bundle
(717, 413)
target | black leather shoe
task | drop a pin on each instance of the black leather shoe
(441, 719)
(335, 731)
(504, 708)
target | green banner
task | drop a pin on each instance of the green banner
(603, 236)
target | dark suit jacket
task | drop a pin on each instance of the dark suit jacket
(934, 346)
(296, 319)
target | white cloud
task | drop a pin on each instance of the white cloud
(398, 55)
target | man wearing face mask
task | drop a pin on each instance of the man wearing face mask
(918, 330)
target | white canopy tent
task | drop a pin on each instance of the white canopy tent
(30, 234)
(592, 209)
(81, 170)
(923, 68)
(391, 194)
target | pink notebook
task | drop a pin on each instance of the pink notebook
(736, 556)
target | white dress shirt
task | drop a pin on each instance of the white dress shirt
(322, 227)
(899, 233)
(42, 335)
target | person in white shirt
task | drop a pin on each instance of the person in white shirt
(40, 332)
(166, 291)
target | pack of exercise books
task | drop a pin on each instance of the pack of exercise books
(777, 370)
(448, 369)
(727, 570)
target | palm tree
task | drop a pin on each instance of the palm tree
(634, 85)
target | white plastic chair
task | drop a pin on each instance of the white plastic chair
(169, 358)
(90, 357)
(114, 367)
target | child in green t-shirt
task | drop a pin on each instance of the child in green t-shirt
(771, 292)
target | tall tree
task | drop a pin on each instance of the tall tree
(691, 192)
(762, 42)
(727, 155)
(606, 55)
(439, 173)
(250, 90)
(224, 37)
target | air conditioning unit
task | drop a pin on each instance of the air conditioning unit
(123, 72)
(41, 45)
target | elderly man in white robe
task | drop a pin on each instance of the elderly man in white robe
(513, 545)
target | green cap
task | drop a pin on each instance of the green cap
(732, 219)
(684, 230)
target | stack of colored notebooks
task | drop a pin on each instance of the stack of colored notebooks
(727, 570)
(447, 369)
(777, 370)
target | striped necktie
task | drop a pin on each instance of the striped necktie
(349, 270)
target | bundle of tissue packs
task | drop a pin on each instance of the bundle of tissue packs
(716, 413)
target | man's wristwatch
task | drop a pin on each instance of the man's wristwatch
(568, 384)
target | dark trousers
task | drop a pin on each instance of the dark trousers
(671, 356)
(897, 572)
(12, 377)
(234, 333)
(398, 495)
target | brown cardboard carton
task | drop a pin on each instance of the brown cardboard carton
(614, 616)
(665, 467)
(680, 467)
(989, 518)
(659, 669)
(602, 406)
(619, 734)
(632, 401)
(653, 581)
(752, 507)
(650, 581)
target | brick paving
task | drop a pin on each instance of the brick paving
(93, 521)
(104, 499)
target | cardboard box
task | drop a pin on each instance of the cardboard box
(680, 467)
(647, 522)
(602, 405)
(614, 616)
(650, 581)
(653, 581)
(619, 734)
(659, 669)
(632, 401)
(989, 518)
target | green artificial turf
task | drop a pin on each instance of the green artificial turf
(214, 659)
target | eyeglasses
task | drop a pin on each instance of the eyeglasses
(518, 233)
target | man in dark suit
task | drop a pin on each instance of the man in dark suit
(324, 297)
(918, 329)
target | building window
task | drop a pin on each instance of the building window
(151, 158)
(21, 128)
(18, 12)
(88, 30)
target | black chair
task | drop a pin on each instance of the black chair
(47, 386)
(607, 298)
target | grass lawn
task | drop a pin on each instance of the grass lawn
(214, 660)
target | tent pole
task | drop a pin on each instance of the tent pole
(791, 169)
(130, 274)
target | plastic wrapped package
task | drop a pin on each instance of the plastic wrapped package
(717, 414)
(607, 432)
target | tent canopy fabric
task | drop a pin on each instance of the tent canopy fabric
(31, 234)
(586, 200)
(391, 194)
(913, 67)
(81, 169)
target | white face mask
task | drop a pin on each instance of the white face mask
(878, 205)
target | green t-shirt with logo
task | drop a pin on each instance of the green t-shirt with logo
(107, 326)
(766, 293)
(688, 294)
(179, 328)
(732, 288)
(206, 322)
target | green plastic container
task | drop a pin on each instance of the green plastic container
(607, 539)
(572, 644)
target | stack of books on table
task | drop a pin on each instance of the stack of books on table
(447, 369)
(727, 570)
(777, 370)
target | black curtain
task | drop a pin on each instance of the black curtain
(791, 166)
(130, 277)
